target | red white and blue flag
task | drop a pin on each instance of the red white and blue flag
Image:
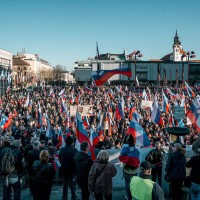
(61, 141)
(101, 76)
(27, 101)
(94, 139)
(194, 114)
(82, 134)
(156, 114)
(48, 129)
(136, 130)
(62, 92)
(165, 105)
(85, 121)
(137, 82)
(189, 90)
(120, 109)
(88, 89)
(130, 155)
(40, 123)
(63, 108)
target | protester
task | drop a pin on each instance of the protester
(100, 147)
(68, 168)
(33, 155)
(194, 163)
(176, 170)
(130, 157)
(12, 169)
(45, 116)
(155, 158)
(100, 177)
(83, 164)
(143, 187)
(42, 179)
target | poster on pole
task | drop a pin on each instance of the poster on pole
(73, 110)
(179, 112)
(146, 104)
(84, 110)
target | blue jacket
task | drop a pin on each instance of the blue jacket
(176, 166)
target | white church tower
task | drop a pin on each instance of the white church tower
(178, 51)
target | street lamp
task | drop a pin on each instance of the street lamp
(188, 55)
(136, 55)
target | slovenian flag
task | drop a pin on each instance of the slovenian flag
(194, 114)
(189, 90)
(101, 76)
(81, 133)
(156, 114)
(136, 130)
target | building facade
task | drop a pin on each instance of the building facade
(39, 69)
(5, 70)
(176, 65)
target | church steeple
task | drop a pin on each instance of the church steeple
(176, 39)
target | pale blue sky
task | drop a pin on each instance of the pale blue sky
(65, 31)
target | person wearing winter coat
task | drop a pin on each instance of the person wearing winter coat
(68, 168)
(194, 164)
(100, 177)
(176, 170)
(142, 187)
(83, 164)
(43, 174)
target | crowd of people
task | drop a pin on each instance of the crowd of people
(38, 135)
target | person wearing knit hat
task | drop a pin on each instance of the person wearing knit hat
(142, 187)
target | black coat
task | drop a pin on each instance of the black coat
(194, 163)
(83, 164)
(66, 156)
(43, 174)
(176, 166)
(31, 157)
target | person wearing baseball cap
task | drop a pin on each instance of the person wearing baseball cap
(142, 187)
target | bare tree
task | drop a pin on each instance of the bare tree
(58, 74)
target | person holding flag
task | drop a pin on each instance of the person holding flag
(130, 157)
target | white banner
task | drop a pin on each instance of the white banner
(73, 111)
(146, 103)
(84, 110)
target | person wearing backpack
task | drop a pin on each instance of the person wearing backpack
(11, 170)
